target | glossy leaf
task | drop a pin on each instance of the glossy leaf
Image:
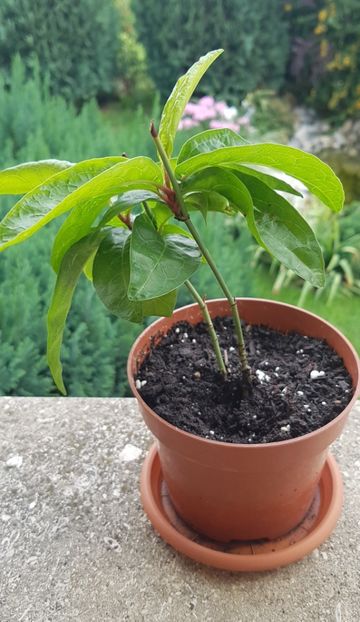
(176, 229)
(285, 233)
(315, 174)
(127, 201)
(208, 141)
(223, 182)
(179, 97)
(273, 182)
(67, 279)
(161, 212)
(136, 174)
(49, 200)
(159, 264)
(24, 177)
(111, 274)
(207, 201)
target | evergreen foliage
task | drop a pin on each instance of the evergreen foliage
(75, 42)
(35, 125)
(253, 34)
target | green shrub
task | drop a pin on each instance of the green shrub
(35, 125)
(252, 32)
(76, 43)
(133, 82)
(324, 67)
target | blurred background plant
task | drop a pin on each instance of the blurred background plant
(83, 80)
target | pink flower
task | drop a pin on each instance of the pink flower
(220, 125)
(190, 108)
(204, 114)
(187, 123)
(221, 107)
(207, 101)
(243, 120)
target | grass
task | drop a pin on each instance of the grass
(344, 312)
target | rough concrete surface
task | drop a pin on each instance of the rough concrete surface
(75, 544)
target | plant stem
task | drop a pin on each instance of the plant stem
(185, 217)
(213, 336)
(202, 304)
(149, 213)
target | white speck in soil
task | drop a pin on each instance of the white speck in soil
(193, 340)
(300, 392)
(284, 390)
(212, 432)
(254, 416)
(177, 330)
(262, 376)
(285, 428)
(301, 351)
(323, 403)
(306, 405)
(14, 461)
(314, 374)
(277, 368)
(231, 349)
(138, 384)
(143, 383)
(186, 335)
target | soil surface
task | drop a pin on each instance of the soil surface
(299, 383)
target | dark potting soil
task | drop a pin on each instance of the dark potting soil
(299, 383)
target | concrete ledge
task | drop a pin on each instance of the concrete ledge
(75, 544)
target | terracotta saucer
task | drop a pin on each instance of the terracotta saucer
(242, 556)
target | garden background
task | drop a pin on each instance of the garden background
(82, 79)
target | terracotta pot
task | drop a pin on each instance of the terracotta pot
(236, 491)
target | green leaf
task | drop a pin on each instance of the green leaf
(179, 97)
(273, 182)
(208, 141)
(176, 229)
(162, 213)
(285, 233)
(223, 182)
(49, 200)
(159, 264)
(69, 274)
(207, 201)
(127, 201)
(315, 174)
(24, 177)
(111, 274)
(139, 173)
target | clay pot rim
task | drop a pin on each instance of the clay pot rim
(244, 446)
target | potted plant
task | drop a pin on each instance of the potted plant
(241, 453)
